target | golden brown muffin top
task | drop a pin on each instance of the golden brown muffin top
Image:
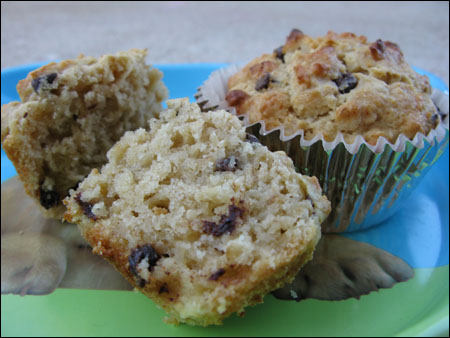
(338, 83)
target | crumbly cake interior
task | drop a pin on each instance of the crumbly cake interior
(200, 217)
(338, 83)
(72, 113)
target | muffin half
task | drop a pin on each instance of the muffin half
(198, 216)
(69, 116)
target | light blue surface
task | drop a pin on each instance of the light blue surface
(417, 233)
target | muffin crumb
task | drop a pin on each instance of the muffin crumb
(218, 247)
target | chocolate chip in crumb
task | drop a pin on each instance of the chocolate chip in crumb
(251, 138)
(227, 164)
(227, 223)
(377, 50)
(142, 282)
(210, 228)
(279, 53)
(346, 82)
(48, 198)
(86, 207)
(163, 289)
(142, 252)
(216, 275)
(49, 78)
(263, 82)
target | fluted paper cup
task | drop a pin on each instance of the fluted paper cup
(365, 183)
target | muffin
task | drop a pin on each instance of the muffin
(70, 114)
(350, 112)
(199, 216)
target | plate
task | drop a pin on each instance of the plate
(418, 233)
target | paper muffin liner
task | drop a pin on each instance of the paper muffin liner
(366, 184)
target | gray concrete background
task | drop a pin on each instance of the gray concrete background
(186, 32)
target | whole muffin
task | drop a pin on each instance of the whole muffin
(350, 112)
(70, 114)
(198, 216)
(335, 84)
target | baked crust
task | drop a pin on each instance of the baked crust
(338, 83)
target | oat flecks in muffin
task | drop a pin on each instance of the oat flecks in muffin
(226, 237)
(69, 116)
(339, 83)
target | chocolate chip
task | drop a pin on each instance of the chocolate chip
(86, 207)
(216, 275)
(227, 164)
(377, 49)
(142, 282)
(163, 289)
(279, 53)
(296, 31)
(36, 83)
(236, 97)
(75, 117)
(142, 252)
(263, 82)
(294, 35)
(346, 82)
(226, 224)
(49, 78)
(48, 198)
(251, 138)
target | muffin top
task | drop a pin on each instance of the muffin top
(339, 83)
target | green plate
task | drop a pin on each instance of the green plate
(417, 307)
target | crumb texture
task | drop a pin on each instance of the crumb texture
(70, 115)
(197, 217)
(338, 83)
